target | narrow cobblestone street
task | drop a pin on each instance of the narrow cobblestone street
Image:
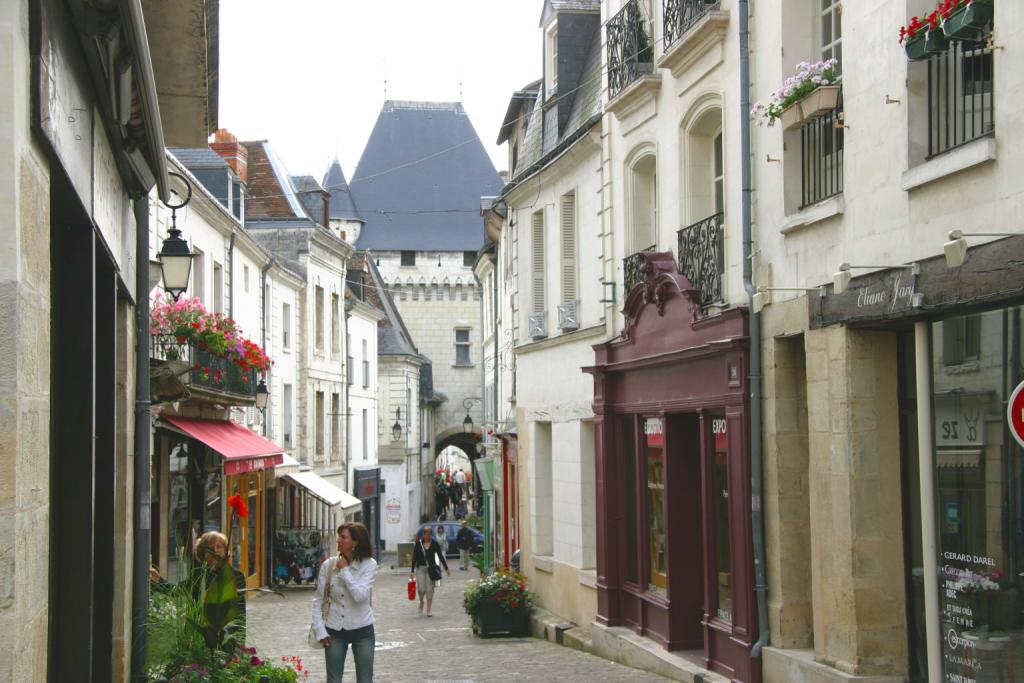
(415, 649)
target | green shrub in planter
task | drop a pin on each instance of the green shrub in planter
(499, 604)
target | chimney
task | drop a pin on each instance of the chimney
(226, 145)
(327, 209)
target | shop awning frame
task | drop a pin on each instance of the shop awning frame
(242, 449)
(324, 490)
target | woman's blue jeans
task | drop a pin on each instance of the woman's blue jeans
(362, 641)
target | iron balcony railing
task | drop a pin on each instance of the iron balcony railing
(821, 157)
(630, 54)
(204, 369)
(682, 15)
(960, 96)
(701, 250)
(631, 275)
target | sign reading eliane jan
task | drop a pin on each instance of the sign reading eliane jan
(1015, 413)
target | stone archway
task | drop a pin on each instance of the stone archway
(463, 441)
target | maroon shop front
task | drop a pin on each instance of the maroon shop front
(674, 555)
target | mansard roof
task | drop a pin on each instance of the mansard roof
(555, 6)
(419, 181)
(542, 139)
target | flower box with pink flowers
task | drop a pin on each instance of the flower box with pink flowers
(808, 94)
(209, 347)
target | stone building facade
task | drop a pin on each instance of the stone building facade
(886, 450)
(74, 198)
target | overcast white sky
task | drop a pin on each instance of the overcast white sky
(308, 75)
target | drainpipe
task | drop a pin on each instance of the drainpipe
(926, 469)
(265, 319)
(756, 456)
(141, 516)
(347, 410)
(231, 276)
(494, 314)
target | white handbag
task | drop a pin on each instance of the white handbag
(325, 609)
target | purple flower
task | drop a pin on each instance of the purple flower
(255, 661)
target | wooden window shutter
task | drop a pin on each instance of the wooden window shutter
(537, 244)
(569, 247)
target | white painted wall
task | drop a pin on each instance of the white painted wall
(881, 222)
(322, 367)
(284, 288)
(362, 332)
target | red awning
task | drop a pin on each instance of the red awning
(243, 450)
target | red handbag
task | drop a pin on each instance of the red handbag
(412, 587)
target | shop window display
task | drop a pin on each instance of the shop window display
(979, 479)
(720, 507)
(654, 446)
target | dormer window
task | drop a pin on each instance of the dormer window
(551, 67)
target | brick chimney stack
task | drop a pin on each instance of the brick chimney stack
(226, 145)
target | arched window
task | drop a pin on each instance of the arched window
(704, 166)
(643, 204)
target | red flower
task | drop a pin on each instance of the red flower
(238, 505)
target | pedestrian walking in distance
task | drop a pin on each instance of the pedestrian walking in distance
(465, 541)
(427, 560)
(349, 616)
(442, 539)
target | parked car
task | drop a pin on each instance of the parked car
(451, 530)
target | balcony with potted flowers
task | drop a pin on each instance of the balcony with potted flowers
(202, 356)
(951, 60)
(809, 107)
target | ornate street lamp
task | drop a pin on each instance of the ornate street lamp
(467, 422)
(262, 396)
(396, 429)
(175, 257)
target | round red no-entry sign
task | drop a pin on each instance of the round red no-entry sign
(1015, 413)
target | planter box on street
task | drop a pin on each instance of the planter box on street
(494, 620)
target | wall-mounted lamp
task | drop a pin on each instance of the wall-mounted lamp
(764, 295)
(396, 429)
(956, 247)
(841, 280)
(175, 257)
(262, 396)
(467, 422)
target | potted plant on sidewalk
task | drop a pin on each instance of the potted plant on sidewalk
(499, 604)
(811, 92)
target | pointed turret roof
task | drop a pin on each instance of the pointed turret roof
(343, 206)
(419, 182)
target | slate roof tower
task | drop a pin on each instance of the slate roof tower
(418, 187)
(420, 178)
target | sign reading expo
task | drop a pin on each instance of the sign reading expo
(1015, 414)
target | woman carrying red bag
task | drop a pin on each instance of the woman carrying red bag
(412, 587)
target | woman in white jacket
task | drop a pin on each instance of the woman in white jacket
(346, 583)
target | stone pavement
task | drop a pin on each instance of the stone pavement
(416, 649)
